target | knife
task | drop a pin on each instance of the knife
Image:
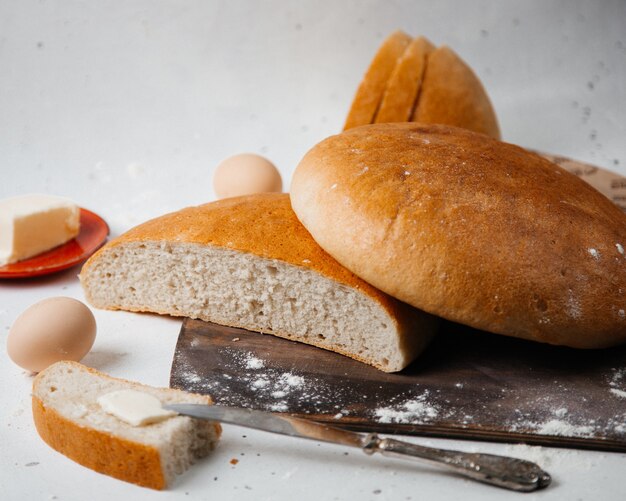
(509, 473)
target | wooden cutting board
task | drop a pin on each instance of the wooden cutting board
(468, 384)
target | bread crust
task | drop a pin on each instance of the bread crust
(452, 94)
(266, 226)
(372, 87)
(404, 83)
(263, 224)
(100, 451)
(471, 229)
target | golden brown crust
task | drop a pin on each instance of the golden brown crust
(265, 226)
(404, 83)
(370, 91)
(452, 94)
(471, 229)
(100, 451)
(261, 224)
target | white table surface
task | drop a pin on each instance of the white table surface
(127, 107)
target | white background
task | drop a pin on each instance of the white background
(127, 107)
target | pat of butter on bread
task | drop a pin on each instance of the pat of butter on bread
(32, 224)
(134, 407)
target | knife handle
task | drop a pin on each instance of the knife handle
(502, 471)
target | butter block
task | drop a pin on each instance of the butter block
(134, 407)
(32, 224)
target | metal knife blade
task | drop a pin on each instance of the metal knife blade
(501, 471)
(275, 423)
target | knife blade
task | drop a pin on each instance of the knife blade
(509, 473)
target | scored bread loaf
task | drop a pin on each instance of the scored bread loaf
(248, 262)
(69, 419)
(372, 87)
(404, 84)
(474, 230)
(414, 81)
(452, 94)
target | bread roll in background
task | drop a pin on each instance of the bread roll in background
(248, 262)
(452, 94)
(469, 228)
(414, 81)
(404, 84)
(372, 87)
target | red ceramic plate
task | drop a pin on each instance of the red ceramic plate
(93, 233)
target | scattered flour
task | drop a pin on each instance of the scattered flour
(254, 363)
(618, 376)
(620, 249)
(245, 380)
(556, 458)
(259, 383)
(617, 383)
(280, 407)
(560, 412)
(564, 429)
(594, 253)
(363, 171)
(619, 393)
(573, 305)
(415, 411)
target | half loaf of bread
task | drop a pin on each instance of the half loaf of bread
(248, 262)
(69, 419)
(469, 228)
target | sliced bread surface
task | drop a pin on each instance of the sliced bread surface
(471, 229)
(69, 419)
(248, 262)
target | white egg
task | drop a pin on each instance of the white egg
(246, 174)
(57, 328)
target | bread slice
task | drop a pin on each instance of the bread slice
(70, 420)
(404, 83)
(474, 230)
(372, 87)
(452, 94)
(248, 262)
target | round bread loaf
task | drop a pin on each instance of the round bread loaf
(471, 229)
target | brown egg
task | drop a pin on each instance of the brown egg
(246, 174)
(57, 328)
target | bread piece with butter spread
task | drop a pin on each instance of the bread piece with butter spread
(69, 419)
